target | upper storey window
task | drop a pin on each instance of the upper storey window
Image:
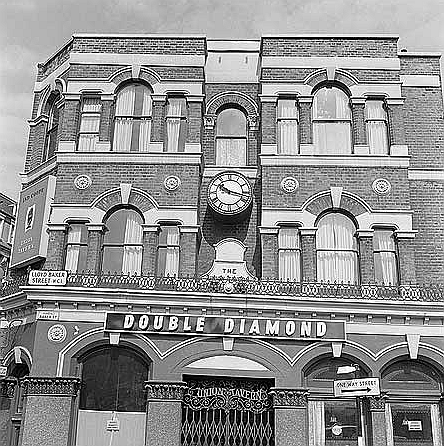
(52, 128)
(289, 254)
(176, 120)
(76, 247)
(132, 127)
(287, 124)
(122, 244)
(337, 253)
(384, 248)
(89, 124)
(376, 125)
(231, 138)
(331, 122)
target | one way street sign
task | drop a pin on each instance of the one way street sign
(357, 387)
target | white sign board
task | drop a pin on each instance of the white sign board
(3, 370)
(47, 315)
(357, 387)
(41, 277)
(414, 425)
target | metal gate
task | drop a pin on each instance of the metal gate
(227, 412)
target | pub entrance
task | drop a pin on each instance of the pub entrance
(227, 412)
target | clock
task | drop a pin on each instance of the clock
(229, 193)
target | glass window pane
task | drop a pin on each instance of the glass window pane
(231, 122)
(231, 152)
(331, 103)
(332, 138)
(340, 422)
(374, 109)
(112, 260)
(288, 137)
(91, 105)
(411, 424)
(287, 108)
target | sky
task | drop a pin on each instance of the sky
(32, 30)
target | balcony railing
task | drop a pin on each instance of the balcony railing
(228, 285)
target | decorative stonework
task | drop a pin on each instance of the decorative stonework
(57, 333)
(209, 121)
(54, 386)
(82, 182)
(253, 122)
(165, 391)
(289, 397)
(377, 403)
(381, 186)
(7, 386)
(171, 182)
(289, 185)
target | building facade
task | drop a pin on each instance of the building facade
(211, 231)
(7, 222)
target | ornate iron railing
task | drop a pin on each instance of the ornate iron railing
(225, 285)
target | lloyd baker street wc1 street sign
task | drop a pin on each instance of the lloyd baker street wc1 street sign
(357, 387)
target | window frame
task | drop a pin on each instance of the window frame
(80, 244)
(218, 137)
(394, 251)
(164, 246)
(97, 114)
(349, 120)
(280, 119)
(297, 251)
(183, 128)
(385, 121)
(134, 145)
(52, 127)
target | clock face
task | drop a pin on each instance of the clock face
(229, 193)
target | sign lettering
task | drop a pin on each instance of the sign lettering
(356, 387)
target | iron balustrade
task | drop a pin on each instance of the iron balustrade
(244, 286)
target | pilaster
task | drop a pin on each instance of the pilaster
(308, 253)
(305, 121)
(358, 116)
(95, 234)
(149, 241)
(188, 247)
(396, 121)
(105, 119)
(194, 121)
(69, 123)
(157, 127)
(56, 247)
(291, 416)
(377, 412)
(268, 120)
(164, 412)
(269, 247)
(406, 255)
(366, 257)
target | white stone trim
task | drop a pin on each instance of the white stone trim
(95, 226)
(193, 147)
(334, 160)
(57, 226)
(273, 216)
(390, 329)
(150, 228)
(38, 172)
(50, 79)
(66, 146)
(360, 233)
(375, 63)
(189, 229)
(128, 158)
(168, 60)
(433, 175)
(268, 230)
(248, 171)
(186, 216)
(403, 234)
(418, 54)
(330, 36)
(244, 45)
(138, 36)
(305, 230)
(63, 213)
(417, 80)
(232, 67)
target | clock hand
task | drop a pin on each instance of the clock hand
(231, 192)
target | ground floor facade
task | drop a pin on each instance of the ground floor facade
(116, 368)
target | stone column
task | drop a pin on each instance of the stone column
(164, 412)
(106, 118)
(149, 241)
(268, 120)
(366, 257)
(188, 249)
(406, 256)
(396, 122)
(291, 416)
(358, 125)
(305, 121)
(48, 410)
(7, 387)
(158, 124)
(308, 254)
(269, 247)
(94, 250)
(56, 246)
(377, 412)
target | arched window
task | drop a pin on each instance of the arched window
(132, 126)
(112, 390)
(331, 122)
(376, 126)
(289, 254)
(231, 138)
(122, 243)
(52, 128)
(337, 253)
(287, 124)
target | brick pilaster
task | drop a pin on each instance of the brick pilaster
(149, 241)
(158, 124)
(188, 250)
(194, 121)
(71, 114)
(55, 256)
(268, 122)
(36, 145)
(396, 122)
(94, 251)
(366, 257)
(106, 118)
(305, 121)
(358, 121)
(269, 248)
(406, 256)
(308, 253)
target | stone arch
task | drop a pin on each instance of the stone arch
(331, 74)
(24, 354)
(345, 78)
(316, 77)
(134, 73)
(232, 97)
(336, 198)
(47, 96)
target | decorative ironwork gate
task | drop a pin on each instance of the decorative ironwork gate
(227, 412)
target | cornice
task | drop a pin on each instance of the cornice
(165, 390)
(50, 386)
(7, 386)
(289, 397)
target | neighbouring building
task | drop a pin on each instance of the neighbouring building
(7, 221)
(212, 235)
